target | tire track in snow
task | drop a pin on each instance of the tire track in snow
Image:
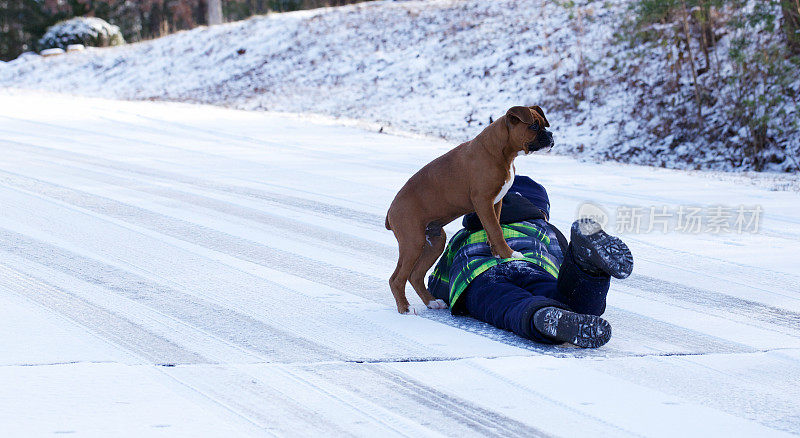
(297, 264)
(476, 329)
(485, 422)
(470, 325)
(502, 337)
(342, 278)
(356, 162)
(242, 391)
(653, 333)
(755, 278)
(302, 204)
(299, 302)
(346, 242)
(284, 403)
(228, 283)
(185, 157)
(108, 325)
(237, 386)
(139, 342)
(221, 322)
(715, 302)
(721, 302)
(411, 398)
(295, 148)
(777, 281)
(254, 144)
(479, 328)
(399, 343)
(771, 401)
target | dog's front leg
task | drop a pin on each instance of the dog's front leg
(486, 213)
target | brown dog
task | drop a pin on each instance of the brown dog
(474, 176)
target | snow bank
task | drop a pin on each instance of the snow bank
(442, 68)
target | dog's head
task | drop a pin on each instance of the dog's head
(526, 129)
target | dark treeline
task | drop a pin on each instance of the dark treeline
(23, 22)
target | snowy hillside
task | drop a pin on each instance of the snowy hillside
(441, 67)
(179, 270)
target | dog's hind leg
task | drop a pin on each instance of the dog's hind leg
(411, 247)
(436, 240)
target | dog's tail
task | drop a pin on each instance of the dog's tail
(388, 227)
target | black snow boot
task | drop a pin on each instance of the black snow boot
(597, 253)
(585, 331)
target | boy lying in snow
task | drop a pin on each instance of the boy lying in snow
(555, 294)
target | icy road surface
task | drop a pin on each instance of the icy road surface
(175, 270)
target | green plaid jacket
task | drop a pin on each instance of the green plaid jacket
(468, 255)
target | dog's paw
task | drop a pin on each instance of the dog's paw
(410, 311)
(516, 255)
(437, 304)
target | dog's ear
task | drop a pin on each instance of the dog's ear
(520, 114)
(539, 110)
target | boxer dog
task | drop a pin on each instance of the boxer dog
(474, 176)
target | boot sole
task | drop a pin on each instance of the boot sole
(585, 331)
(609, 253)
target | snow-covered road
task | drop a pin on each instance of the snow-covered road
(175, 270)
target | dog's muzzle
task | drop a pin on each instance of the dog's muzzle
(549, 143)
(544, 141)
